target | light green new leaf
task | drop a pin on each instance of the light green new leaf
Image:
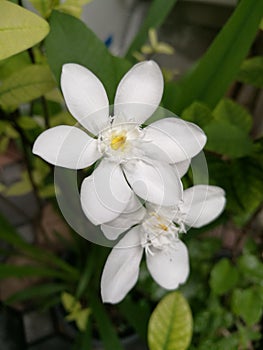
(75, 310)
(251, 71)
(248, 305)
(69, 302)
(211, 77)
(157, 13)
(224, 277)
(25, 85)
(19, 29)
(82, 318)
(72, 7)
(170, 325)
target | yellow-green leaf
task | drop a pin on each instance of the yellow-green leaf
(11, 132)
(19, 29)
(54, 95)
(2, 187)
(72, 7)
(171, 324)
(82, 319)
(69, 302)
(4, 141)
(20, 188)
(47, 191)
(25, 85)
(164, 48)
(62, 118)
(44, 7)
(26, 122)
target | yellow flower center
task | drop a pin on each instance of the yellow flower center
(163, 227)
(118, 141)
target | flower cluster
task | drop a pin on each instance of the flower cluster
(136, 184)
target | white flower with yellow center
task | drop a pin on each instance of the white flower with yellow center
(156, 233)
(132, 158)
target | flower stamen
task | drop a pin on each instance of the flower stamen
(118, 141)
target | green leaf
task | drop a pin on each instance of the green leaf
(19, 29)
(230, 111)
(227, 139)
(105, 326)
(211, 77)
(170, 326)
(70, 41)
(157, 13)
(251, 268)
(137, 314)
(248, 305)
(224, 277)
(198, 113)
(14, 63)
(251, 72)
(25, 85)
(42, 290)
(247, 184)
(9, 235)
(7, 271)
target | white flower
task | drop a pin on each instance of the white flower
(132, 157)
(157, 235)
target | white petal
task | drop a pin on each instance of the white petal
(132, 215)
(139, 92)
(85, 97)
(155, 182)
(67, 146)
(105, 193)
(182, 167)
(169, 268)
(177, 139)
(166, 212)
(202, 204)
(121, 270)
